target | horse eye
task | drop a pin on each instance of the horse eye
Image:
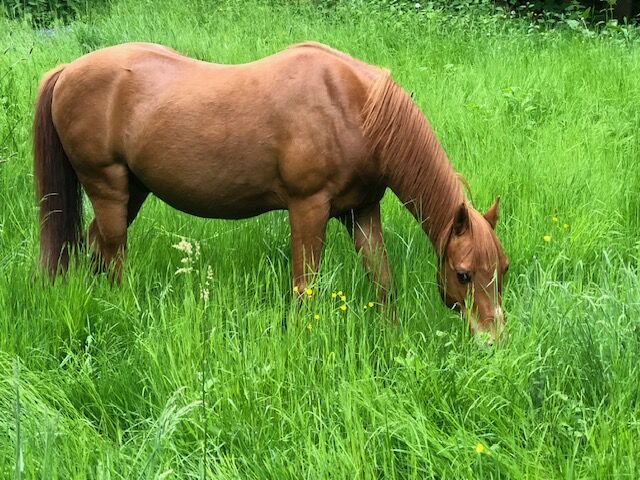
(463, 277)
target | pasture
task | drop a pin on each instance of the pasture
(184, 371)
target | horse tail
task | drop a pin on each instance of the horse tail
(56, 183)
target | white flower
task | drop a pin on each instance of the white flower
(185, 247)
(209, 274)
(204, 293)
(184, 270)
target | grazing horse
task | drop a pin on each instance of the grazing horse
(309, 129)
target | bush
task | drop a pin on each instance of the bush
(599, 9)
(43, 13)
(591, 10)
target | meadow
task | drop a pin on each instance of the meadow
(188, 373)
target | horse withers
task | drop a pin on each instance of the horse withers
(309, 129)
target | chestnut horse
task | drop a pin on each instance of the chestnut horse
(309, 129)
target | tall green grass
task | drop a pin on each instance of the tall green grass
(152, 380)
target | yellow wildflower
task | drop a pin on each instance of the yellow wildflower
(309, 292)
(334, 295)
(479, 448)
(565, 226)
(554, 219)
(547, 238)
(296, 289)
(316, 317)
(309, 327)
(340, 293)
(343, 298)
(343, 308)
(370, 304)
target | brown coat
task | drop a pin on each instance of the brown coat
(309, 129)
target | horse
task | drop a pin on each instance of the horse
(308, 129)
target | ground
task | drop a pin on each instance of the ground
(108, 382)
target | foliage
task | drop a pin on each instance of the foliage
(45, 12)
(550, 13)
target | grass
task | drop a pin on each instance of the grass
(108, 382)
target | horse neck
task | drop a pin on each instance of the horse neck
(413, 163)
(431, 191)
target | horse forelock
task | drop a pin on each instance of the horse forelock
(482, 245)
(485, 243)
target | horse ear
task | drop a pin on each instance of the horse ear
(461, 220)
(492, 213)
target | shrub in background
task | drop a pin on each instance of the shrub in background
(42, 13)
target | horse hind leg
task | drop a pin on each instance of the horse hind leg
(138, 193)
(116, 200)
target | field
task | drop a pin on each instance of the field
(107, 382)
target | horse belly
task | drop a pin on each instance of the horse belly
(229, 206)
(213, 189)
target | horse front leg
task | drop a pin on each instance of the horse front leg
(365, 228)
(308, 219)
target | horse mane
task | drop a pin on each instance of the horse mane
(411, 157)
